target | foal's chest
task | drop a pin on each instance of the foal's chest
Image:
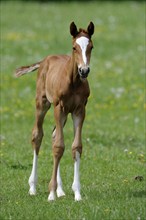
(75, 99)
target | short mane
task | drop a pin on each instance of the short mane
(82, 32)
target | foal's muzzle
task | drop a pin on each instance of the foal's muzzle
(83, 72)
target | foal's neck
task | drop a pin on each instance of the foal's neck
(73, 70)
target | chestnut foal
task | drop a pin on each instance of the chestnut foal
(62, 81)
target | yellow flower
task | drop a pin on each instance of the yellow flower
(125, 181)
(14, 36)
(107, 210)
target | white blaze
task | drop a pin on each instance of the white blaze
(83, 42)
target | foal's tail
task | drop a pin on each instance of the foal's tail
(26, 69)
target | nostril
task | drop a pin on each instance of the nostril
(88, 70)
(84, 71)
(80, 70)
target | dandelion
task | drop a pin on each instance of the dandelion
(140, 48)
(112, 19)
(126, 150)
(142, 71)
(14, 36)
(2, 143)
(118, 91)
(136, 120)
(1, 154)
(141, 157)
(108, 64)
(135, 105)
(107, 210)
(119, 70)
(88, 139)
(125, 181)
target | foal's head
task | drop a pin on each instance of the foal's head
(82, 47)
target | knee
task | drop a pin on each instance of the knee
(76, 149)
(37, 136)
(58, 151)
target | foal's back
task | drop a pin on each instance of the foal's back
(53, 73)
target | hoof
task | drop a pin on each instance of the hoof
(32, 191)
(51, 196)
(32, 184)
(60, 192)
(78, 196)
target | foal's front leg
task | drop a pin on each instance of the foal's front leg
(58, 149)
(77, 151)
(59, 190)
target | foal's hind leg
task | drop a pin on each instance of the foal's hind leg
(42, 106)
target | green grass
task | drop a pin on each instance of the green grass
(113, 134)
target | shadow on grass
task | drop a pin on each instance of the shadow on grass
(17, 166)
(20, 166)
(139, 194)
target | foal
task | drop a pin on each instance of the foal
(62, 81)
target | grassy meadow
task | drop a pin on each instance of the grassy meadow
(113, 175)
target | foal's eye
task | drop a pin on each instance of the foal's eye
(74, 48)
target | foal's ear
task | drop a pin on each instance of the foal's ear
(73, 29)
(90, 29)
